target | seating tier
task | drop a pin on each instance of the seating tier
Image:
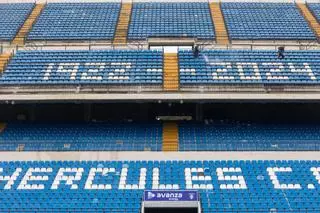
(249, 67)
(84, 67)
(248, 137)
(118, 186)
(171, 20)
(81, 137)
(265, 21)
(76, 21)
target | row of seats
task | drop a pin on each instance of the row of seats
(12, 17)
(84, 67)
(249, 67)
(85, 137)
(138, 137)
(245, 137)
(98, 21)
(224, 186)
(265, 21)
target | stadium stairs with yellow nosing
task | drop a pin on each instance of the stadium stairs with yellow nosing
(219, 24)
(309, 17)
(170, 137)
(27, 26)
(4, 60)
(171, 72)
(123, 24)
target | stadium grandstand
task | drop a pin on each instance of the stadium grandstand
(160, 106)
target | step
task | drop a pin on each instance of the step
(4, 60)
(121, 33)
(170, 137)
(170, 72)
(219, 24)
(28, 24)
(309, 17)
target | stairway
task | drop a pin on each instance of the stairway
(2, 127)
(27, 26)
(170, 137)
(219, 25)
(121, 34)
(4, 60)
(309, 17)
(171, 72)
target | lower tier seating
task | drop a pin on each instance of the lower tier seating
(249, 67)
(84, 67)
(118, 186)
(245, 137)
(86, 137)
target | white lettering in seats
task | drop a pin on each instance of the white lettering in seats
(123, 180)
(91, 177)
(10, 179)
(256, 71)
(48, 71)
(307, 69)
(275, 181)
(69, 179)
(155, 181)
(226, 66)
(204, 182)
(73, 69)
(239, 178)
(272, 75)
(119, 73)
(99, 67)
(24, 184)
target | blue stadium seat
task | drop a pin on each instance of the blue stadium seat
(84, 67)
(118, 186)
(85, 137)
(76, 21)
(265, 21)
(249, 67)
(164, 19)
(248, 137)
(12, 17)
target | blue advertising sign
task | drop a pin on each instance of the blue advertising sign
(171, 195)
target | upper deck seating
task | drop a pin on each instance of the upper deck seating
(76, 21)
(249, 67)
(12, 17)
(84, 67)
(245, 137)
(118, 186)
(85, 137)
(163, 19)
(315, 8)
(265, 21)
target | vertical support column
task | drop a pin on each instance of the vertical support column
(309, 17)
(28, 24)
(170, 137)
(121, 34)
(219, 24)
(171, 72)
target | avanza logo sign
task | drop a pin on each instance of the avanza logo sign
(176, 195)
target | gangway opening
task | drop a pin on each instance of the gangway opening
(171, 201)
